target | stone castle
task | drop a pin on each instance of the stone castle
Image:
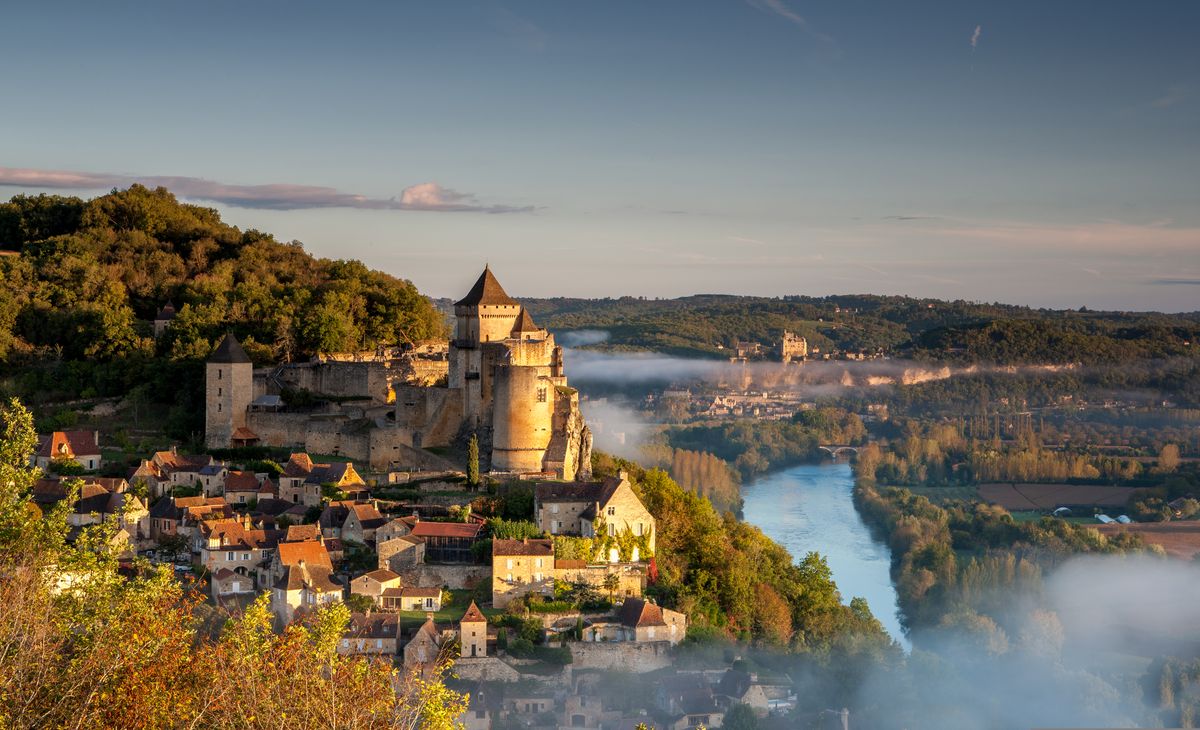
(500, 377)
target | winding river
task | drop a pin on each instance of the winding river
(810, 507)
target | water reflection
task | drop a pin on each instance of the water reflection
(810, 507)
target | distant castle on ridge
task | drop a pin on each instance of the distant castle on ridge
(499, 377)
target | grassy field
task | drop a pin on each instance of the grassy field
(1025, 497)
(449, 614)
(938, 495)
(1035, 515)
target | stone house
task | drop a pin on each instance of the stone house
(362, 521)
(80, 446)
(422, 652)
(169, 514)
(187, 471)
(563, 508)
(301, 480)
(398, 527)
(235, 545)
(373, 584)
(639, 621)
(401, 552)
(448, 542)
(293, 482)
(96, 504)
(305, 579)
(521, 567)
(211, 478)
(333, 517)
(241, 487)
(412, 598)
(226, 582)
(372, 634)
(148, 473)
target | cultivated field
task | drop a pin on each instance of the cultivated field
(1050, 496)
(1180, 539)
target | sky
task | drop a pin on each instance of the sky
(1027, 152)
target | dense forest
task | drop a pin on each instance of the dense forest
(959, 331)
(84, 278)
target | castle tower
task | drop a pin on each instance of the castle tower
(472, 633)
(228, 390)
(486, 314)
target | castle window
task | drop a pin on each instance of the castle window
(219, 391)
(541, 395)
(218, 408)
(218, 373)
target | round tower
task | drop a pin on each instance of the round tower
(523, 418)
(228, 390)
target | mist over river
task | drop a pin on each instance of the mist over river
(810, 507)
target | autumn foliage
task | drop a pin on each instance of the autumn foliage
(88, 643)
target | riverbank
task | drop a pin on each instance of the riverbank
(809, 507)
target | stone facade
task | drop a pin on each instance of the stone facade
(521, 567)
(228, 390)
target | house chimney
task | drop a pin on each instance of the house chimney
(623, 475)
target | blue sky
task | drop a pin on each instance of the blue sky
(1051, 157)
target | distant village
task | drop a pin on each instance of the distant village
(532, 611)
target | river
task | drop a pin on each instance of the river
(810, 507)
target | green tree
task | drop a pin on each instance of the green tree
(473, 461)
(741, 717)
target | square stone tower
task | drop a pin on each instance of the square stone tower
(228, 390)
(472, 633)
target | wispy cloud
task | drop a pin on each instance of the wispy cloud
(1107, 236)
(1176, 282)
(975, 37)
(427, 196)
(1174, 95)
(780, 8)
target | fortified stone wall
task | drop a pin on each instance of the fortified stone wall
(450, 576)
(624, 655)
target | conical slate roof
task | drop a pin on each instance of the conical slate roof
(229, 351)
(525, 323)
(487, 291)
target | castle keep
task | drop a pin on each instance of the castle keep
(499, 377)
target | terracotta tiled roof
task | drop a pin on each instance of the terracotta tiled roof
(636, 612)
(69, 444)
(487, 291)
(298, 466)
(241, 481)
(570, 564)
(417, 592)
(241, 433)
(367, 512)
(473, 615)
(316, 578)
(312, 553)
(373, 626)
(523, 547)
(383, 575)
(298, 533)
(267, 487)
(167, 313)
(447, 529)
